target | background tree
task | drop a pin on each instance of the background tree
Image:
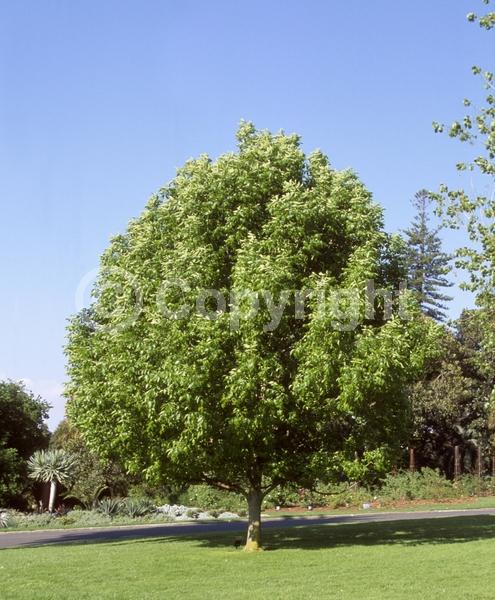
(427, 263)
(476, 213)
(226, 397)
(53, 467)
(22, 431)
(451, 400)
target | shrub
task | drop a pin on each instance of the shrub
(283, 496)
(67, 520)
(348, 495)
(472, 485)
(167, 493)
(334, 495)
(31, 520)
(208, 498)
(85, 518)
(427, 484)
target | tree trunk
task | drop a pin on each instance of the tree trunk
(412, 460)
(253, 541)
(53, 495)
(457, 462)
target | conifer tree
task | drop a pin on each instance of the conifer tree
(428, 265)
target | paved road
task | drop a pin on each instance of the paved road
(36, 538)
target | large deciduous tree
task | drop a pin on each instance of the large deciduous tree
(229, 342)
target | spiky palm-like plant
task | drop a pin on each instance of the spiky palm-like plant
(51, 466)
(4, 519)
(109, 506)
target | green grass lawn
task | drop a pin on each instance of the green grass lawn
(443, 558)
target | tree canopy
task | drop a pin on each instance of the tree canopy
(22, 431)
(230, 340)
(450, 400)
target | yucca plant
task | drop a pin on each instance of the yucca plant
(54, 467)
(109, 506)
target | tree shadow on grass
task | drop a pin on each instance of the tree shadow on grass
(445, 530)
(319, 534)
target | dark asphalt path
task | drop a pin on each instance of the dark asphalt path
(36, 538)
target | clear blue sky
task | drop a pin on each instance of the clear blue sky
(100, 101)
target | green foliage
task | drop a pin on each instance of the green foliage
(207, 498)
(286, 496)
(12, 477)
(337, 496)
(426, 484)
(22, 416)
(92, 477)
(476, 213)
(451, 400)
(329, 495)
(232, 399)
(486, 21)
(22, 431)
(17, 519)
(427, 264)
(430, 484)
(472, 485)
(165, 493)
(79, 518)
(210, 499)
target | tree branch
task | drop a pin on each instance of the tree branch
(267, 489)
(314, 490)
(229, 487)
